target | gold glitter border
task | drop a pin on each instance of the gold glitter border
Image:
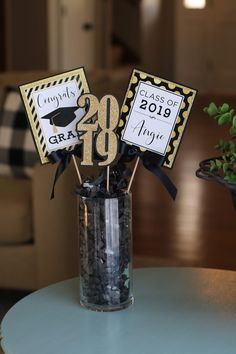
(177, 133)
(49, 80)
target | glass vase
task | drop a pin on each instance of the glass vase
(105, 252)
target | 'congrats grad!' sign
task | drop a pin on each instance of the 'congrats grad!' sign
(52, 109)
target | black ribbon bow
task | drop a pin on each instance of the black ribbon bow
(151, 162)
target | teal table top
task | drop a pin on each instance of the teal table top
(176, 310)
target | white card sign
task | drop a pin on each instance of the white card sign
(51, 106)
(154, 114)
(152, 118)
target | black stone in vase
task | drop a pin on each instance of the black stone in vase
(105, 252)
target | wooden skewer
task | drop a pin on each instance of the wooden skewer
(77, 169)
(108, 175)
(134, 171)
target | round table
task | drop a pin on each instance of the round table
(176, 310)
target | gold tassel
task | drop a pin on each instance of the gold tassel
(54, 128)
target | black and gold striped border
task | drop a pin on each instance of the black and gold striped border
(27, 91)
(188, 98)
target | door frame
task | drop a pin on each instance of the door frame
(54, 10)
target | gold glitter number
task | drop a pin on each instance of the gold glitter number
(88, 128)
(107, 140)
(107, 118)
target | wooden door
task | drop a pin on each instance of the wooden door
(77, 34)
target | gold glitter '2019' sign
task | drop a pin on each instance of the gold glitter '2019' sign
(154, 114)
(98, 126)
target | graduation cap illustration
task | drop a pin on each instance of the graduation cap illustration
(61, 117)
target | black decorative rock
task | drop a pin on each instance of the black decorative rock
(105, 252)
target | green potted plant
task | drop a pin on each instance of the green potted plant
(223, 168)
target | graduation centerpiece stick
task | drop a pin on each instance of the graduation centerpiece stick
(108, 178)
(133, 173)
(153, 117)
(101, 118)
(53, 114)
(98, 126)
(77, 169)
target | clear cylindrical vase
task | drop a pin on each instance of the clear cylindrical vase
(105, 229)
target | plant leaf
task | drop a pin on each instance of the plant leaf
(233, 131)
(225, 167)
(224, 108)
(212, 165)
(217, 116)
(234, 122)
(218, 164)
(225, 118)
(211, 109)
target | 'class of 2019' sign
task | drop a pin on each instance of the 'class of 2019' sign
(154, 114)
